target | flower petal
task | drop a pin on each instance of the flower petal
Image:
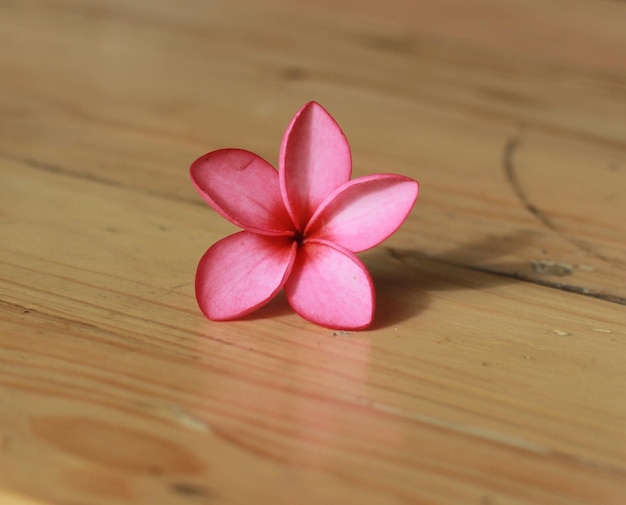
(365, 211)
(244, 189)
(242, 272)
(329, 286)
(314, 161)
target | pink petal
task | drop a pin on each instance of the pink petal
(314, 161)
(242, 272)
(244, 189)
(330, 287)
(365, 211)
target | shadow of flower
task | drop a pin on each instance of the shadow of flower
(404, 278)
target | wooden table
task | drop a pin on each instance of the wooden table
(495, 371)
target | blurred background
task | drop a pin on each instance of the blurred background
(505, 111)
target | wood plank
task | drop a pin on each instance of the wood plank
(472, 386)
(107, 367)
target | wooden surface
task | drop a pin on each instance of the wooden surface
(495, 372)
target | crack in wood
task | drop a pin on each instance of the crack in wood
(400, 256)
(510, 149)
(511, 146)
(53, 168)
(579, 290)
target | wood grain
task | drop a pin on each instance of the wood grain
(494, 372)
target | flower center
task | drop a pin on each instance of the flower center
(299, 238)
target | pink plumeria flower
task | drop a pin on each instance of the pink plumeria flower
(302, 226)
